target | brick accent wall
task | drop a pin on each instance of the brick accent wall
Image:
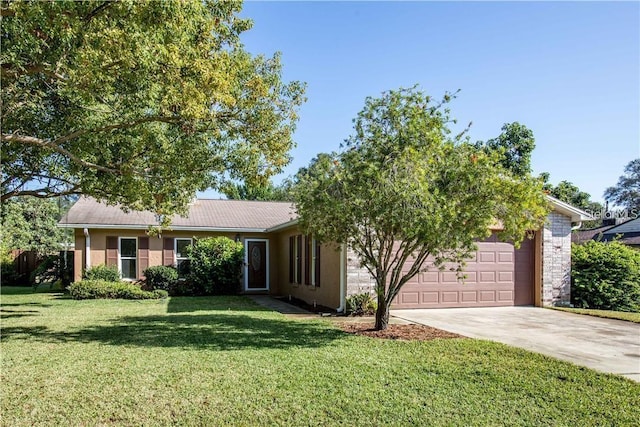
(556, 260)
(359, 280)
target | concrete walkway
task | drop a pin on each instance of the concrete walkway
(277, 305)
(606, 345)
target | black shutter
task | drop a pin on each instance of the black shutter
(291, 259)
(299, 259)
(317, 264)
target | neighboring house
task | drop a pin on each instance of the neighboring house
(280, 260)
(627, 232)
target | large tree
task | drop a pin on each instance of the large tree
(137, 102)
(515, 145)
(264, 192)
(31, 224)
(407, 195)
(626, 193)
(570, 193)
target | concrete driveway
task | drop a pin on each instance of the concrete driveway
(605, 345)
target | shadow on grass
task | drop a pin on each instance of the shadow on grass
(25, 304)
(212, 303)
(8, 313)
(207, 331)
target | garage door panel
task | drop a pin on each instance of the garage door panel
(491, 279)
(505, 276)
(487, 257)
(468, 296)
(448, 296)
(505, 257)
(429, 277)
(487, 296)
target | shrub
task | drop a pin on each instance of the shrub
(8, 271)
(108, 273)
(361, 305)
(605, 276)
(94, 289)
(48, 271)
(215, 265)
(160, 277)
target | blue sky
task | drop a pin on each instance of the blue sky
(568, 71)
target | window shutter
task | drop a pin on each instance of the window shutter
(299, 259)
(307, 258)
(143, 255)
(112, 250)
(291, 259)
(317, 264)
(167, 251)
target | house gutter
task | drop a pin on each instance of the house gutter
(87, 248)
(343, 279)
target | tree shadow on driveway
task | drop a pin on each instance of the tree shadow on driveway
(224, 331)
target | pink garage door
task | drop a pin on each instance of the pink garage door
(498, 275)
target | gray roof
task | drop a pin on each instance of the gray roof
(204, 214)
(631, 226)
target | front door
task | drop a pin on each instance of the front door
(256, 265)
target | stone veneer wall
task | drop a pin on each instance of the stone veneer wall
(359, 280)
(556, 260)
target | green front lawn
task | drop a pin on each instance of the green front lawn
(608, 314)
(224, 361)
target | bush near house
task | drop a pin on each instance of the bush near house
(107, 273)
(605, 276)
(361, 305)
(94, 289)
(215, 265)
(161, 277)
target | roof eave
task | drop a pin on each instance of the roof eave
(171, 228)
(279, 227)
(576, 215)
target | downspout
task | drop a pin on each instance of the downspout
(576, 226)
(343, 279)
(87, 249)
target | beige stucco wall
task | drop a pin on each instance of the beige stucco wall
(328, 293)
(99, 248)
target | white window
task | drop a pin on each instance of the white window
(181, 258)
(128, 253)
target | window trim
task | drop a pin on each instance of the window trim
(175, 251)
(120, 257)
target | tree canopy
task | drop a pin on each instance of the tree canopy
(138, 102)
(31, 224)
(264, 192)
(626, 193)
(406, 189)
(570, 193)
(515, 145)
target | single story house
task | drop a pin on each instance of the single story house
(280, 260)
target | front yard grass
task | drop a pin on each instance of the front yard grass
(608, 314)
(225, 361)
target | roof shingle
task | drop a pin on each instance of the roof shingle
(203, 214)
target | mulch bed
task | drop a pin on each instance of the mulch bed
(410, 332)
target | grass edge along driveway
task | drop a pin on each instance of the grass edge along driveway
(226, 361)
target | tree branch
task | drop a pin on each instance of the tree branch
(95, 12)
(9, 70)
(42, 193)
(124, 125)
(29, 140)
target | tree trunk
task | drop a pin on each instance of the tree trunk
(382, 314)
